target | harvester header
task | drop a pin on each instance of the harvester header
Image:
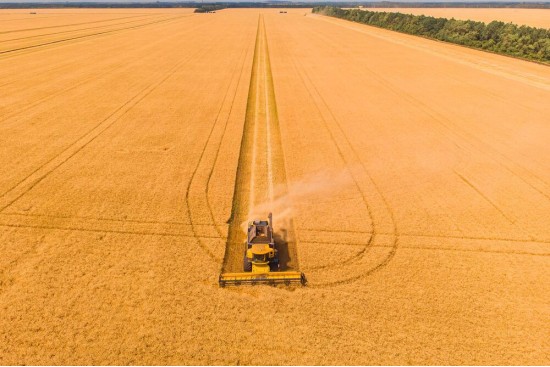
(271, 278)
(261, 260)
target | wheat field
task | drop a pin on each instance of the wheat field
(409, 178)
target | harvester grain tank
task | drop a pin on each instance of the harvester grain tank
(261, 260)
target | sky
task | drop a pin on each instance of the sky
(198, 1)
(301, 1)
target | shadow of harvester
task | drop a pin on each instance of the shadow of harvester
(282, 246)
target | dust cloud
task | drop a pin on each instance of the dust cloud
(286, 197)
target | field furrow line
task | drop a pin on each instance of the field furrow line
(202, 156)
(480, 193)
(309, 86)
(75, 24)
(476, 62)
(254, 152)
(217, 153)
(39, 174)
(317, 98)
(453, 132)
(69, 66)
(70, 31)
(433, 248)
(40, 101)
(428, 235)
(476, 143)
(104, 230)
(57, 216)
(15, 51)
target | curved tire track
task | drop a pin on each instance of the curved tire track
(201, 159)
(39, 174)
(355, 260)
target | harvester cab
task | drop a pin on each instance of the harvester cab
(261, 260)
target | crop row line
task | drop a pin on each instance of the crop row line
(10, 51)
(100, 219)
(217, 154)
(346, 162)
(455, 130)
(73, 30)
(40, 173)
(104, 230)
(428, 235)
(206, 145)
(430, 248)
(347, 142)
(73, 24)
(92, 76)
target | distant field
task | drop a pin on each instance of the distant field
(532, 17)
(409, 178)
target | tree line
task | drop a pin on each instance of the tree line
(504, 38)
(446, 4)
(209, 8)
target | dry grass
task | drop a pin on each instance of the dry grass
(417, 174)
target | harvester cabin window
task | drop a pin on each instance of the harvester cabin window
(259, 257)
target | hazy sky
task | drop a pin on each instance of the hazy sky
(198, 1)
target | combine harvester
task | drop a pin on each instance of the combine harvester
(261, 261)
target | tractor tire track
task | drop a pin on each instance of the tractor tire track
(317, 99)
(104, 230)
(93, 74)
(107, 225)
(39, 174)
(217, 154)
(449, 249)
(347, 164)
(371, 74)
(74, 24)
(40, 101)
(72, 31)
(201, 159)
(360, 255)
(476, 63)
(39, 47)
(453, 132)
(57, 216)
(485, 197)
(459, 133)
(422, 235)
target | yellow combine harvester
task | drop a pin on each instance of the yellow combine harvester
(261, 261)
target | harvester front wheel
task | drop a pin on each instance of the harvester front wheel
(247, 264)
